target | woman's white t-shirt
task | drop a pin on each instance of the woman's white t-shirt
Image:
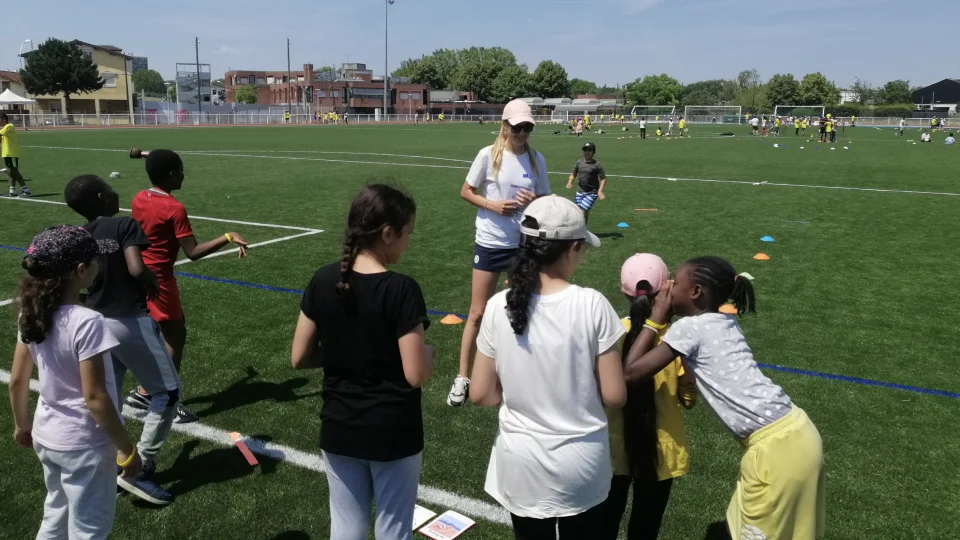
(516, 174)
(551, 457)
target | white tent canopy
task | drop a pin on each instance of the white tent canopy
(9, 98)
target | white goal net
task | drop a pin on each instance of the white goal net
(653, 113)
(713, 114)
(813, 111)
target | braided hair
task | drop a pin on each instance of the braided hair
(719, 277)
(640, 412)
(535, 254)
(375, 208)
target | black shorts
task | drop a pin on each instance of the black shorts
(493, 259)
(12, 162)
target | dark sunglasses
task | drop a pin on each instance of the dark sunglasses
(525, 127)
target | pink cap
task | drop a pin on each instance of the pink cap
(643, 267)
(518, 112)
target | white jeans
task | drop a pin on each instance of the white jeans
(355, 483)
(81, 492)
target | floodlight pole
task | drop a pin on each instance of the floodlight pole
(386, 50)
(199, 94)
(30, 41)
(289, 82)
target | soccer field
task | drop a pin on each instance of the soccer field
(856, 318)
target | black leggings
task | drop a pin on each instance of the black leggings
(579, 527)
(646, 515)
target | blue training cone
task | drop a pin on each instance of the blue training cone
(623, 225)
(767, 239)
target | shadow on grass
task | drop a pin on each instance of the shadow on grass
(43, 195)
(217, 466)
(292, 535)
(717, 531)
(247, 391)
(614, 235)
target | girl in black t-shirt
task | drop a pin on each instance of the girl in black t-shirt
(364, 325)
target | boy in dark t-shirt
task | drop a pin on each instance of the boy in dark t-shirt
(591, 179)
(120, 294)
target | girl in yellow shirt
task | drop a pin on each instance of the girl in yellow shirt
(648, 443)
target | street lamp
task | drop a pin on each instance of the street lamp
(30, 41)
(386, 49)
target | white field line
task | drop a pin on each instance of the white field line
(6, 302)
(636, 177)
(201, 152)
(258, 244)
(474, 508)
(198, 218)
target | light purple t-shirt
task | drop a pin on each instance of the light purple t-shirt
(63, 421)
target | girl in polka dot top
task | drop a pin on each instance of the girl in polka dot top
(780, 492)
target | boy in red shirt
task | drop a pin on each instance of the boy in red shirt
(165, 222)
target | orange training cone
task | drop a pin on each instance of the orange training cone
(729, 309)
(451, 319)
(761, 257)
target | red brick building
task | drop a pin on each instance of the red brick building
(350, 89)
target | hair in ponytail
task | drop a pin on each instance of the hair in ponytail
(496, 153)
(535, 255)
(375, 208)
(38, 298)
(640, 412)
(719, 277)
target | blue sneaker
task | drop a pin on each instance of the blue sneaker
(143, 486)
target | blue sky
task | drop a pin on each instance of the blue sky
(606, 41)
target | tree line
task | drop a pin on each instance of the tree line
(496, 77)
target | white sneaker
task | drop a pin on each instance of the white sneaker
(458, 392)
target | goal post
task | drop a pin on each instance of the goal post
(813, 111)
(713, 114)
(653, 113)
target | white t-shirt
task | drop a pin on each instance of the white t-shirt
(516, 174)
(754, 121)
(62, 421)
(902, 122)
(551, 457)
(949, 140)
(925, 137)
(643, 124)
(714, 348)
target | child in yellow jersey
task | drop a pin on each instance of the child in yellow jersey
(780, 490)
(803, 126)
(796, 126)
(648, 444)
(682, 125)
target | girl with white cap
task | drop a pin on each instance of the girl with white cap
(504, 178)
(547, 355)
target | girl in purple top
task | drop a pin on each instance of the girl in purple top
(76, 431)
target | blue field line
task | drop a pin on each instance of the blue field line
(795, 371)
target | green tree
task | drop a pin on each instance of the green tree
(782, 90)
(863, 92)
(171, 93)
(579, 87)
(477, 77)
(815, 89)
(895, 92)
(406, 68)
(58, 67)
(245, 94)
(218, 83)
(655, 90)
(712, 92)
(149, 80)
(428, 72)
(750, 93)
(511, 82)
(549, 80)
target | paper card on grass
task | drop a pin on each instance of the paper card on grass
(449, 525)
(421, 515)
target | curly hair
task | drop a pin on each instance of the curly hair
(38, 298)
(535, 254)
(375, 208)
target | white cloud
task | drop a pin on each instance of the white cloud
(226, 50)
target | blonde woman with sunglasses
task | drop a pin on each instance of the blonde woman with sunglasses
(504, 179)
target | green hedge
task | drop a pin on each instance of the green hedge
(853, 109)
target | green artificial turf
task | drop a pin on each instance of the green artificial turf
(861, 289)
